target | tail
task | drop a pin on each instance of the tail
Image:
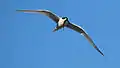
(57, 28)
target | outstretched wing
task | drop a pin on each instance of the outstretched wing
(51, 15)
(81, 30)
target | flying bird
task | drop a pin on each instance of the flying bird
(64, 22)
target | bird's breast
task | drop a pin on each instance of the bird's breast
(61, 22)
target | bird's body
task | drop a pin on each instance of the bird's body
(64, 22)
(61, 22)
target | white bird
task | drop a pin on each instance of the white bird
(64, 22)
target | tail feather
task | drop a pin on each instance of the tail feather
(57, 28)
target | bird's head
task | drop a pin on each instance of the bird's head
(66, 21)
(65, 18)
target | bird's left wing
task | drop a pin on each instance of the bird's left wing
(48, 13)
(81, 30)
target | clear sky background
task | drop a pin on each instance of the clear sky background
(27, 40)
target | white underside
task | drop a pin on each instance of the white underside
(61, 22)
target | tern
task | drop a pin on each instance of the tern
(64, 22)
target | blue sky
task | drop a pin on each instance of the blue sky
(27, 40)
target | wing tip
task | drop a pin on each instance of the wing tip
(98, 50)
(102, 54)
(21, 10)
(18, 10)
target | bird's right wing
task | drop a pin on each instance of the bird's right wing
(81, 30)
(51, 15)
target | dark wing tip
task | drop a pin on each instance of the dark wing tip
(24, 10)
(19, 10)
(99, 51)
